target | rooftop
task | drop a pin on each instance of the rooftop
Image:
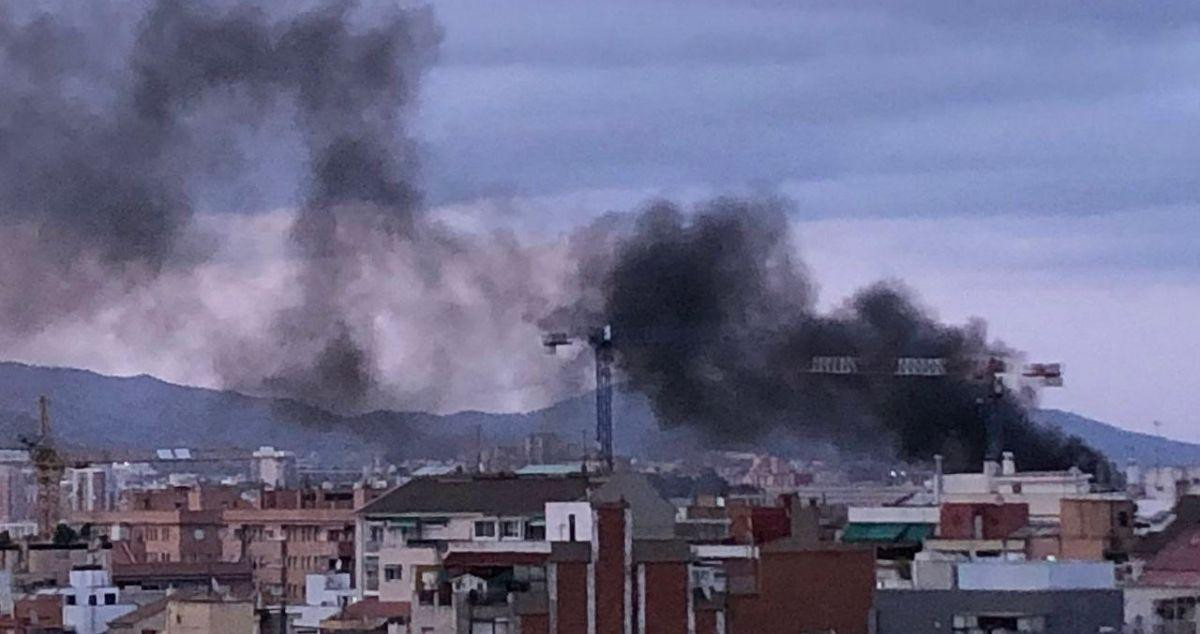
(499, 494)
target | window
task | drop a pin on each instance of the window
(535, 531)
(965, 624)
(392, 572)
(1123, 519)
(510, 529)
(486, 528)
(91, 599)
(110, 598)
(70, 599)
(371, 574)
(376, 534)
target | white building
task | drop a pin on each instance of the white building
(274, 467)
(89, 489)
(91, 601)
(1000, 482)
(406, 537)
(324, 596)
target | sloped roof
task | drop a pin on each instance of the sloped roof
(1181, 554)
(499, 495)
(372, 607)
(130, 619)
(220, 570)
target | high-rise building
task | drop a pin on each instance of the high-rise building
(274, 467)
(89, 489)
(14, 494)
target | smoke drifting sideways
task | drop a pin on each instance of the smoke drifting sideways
(713, 318)
(104, 151)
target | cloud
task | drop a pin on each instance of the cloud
(1024, 108)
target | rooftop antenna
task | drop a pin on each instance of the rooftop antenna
(479, 448)
(1158, 456)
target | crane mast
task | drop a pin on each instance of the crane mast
(48, 469)
(601, 342)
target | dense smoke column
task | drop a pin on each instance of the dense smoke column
(353, 90)
(719, 329)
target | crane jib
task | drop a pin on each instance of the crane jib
(902, 366)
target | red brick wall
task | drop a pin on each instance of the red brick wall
(768, 523)
(610, 569)
(666, 598)
(706, 622)
(802, 590)
(957, 519)
(536, 624)
(572, 605)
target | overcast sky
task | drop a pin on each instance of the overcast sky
(1033, 163)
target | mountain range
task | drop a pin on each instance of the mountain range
(91, 410)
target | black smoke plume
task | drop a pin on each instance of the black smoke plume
(713, 318)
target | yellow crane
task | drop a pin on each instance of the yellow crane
(48, 467)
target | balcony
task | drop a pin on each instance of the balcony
(515, 546)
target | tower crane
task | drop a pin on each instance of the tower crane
(602, 343)
(50, 463)
(48, 469)
(990, 370)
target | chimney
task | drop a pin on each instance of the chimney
(1008, 465)
(1133, 473)
(937, 479)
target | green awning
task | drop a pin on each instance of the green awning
(886, 532)
(404, 522)
(917, 533)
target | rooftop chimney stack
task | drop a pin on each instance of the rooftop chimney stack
(1008, 465)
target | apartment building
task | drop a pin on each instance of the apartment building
(285, 545)
(567, 554)
(180, 535)
(1047, 597)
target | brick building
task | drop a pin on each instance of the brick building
(566, 554)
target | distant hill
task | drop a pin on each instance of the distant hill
(1120, 444)
(94, 410)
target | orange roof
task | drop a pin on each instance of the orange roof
(373, 608)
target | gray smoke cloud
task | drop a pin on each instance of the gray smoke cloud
(102, 158)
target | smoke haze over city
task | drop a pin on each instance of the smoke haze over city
(387, 248)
